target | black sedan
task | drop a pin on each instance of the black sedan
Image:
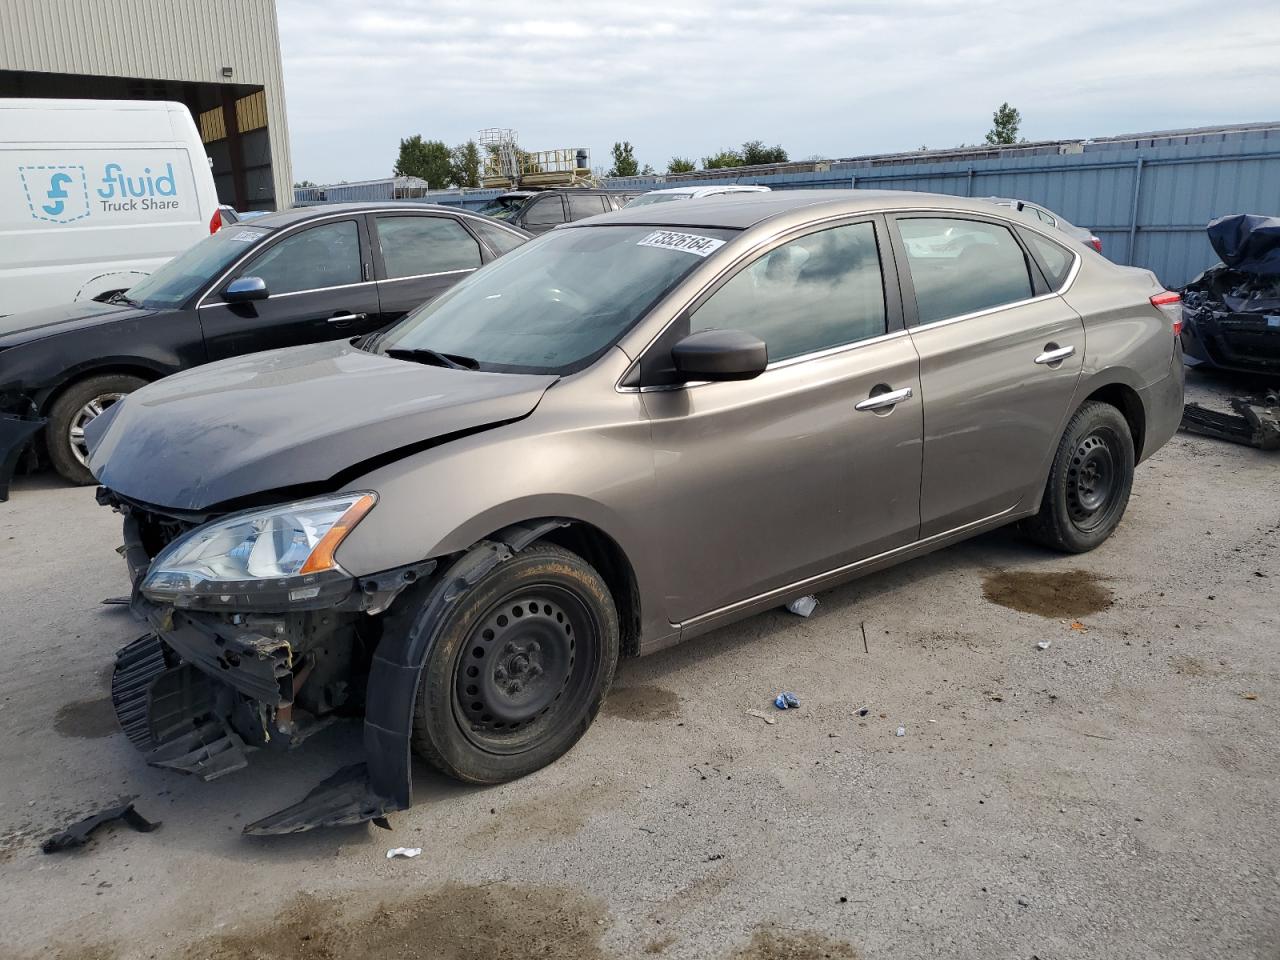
(302, 276)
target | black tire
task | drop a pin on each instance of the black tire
(70, 408)
(482, 713)
(1089, 482)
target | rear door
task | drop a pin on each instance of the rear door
(583, 205)
(315, 277)
(1000, 357)
(810, 466)
(542, 213)
(417, 257)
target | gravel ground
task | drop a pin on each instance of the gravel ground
(1114, 795)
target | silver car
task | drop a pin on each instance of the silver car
(1046, 216)
(624, 434)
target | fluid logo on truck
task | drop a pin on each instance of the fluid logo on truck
(58, 193)
(61, 193)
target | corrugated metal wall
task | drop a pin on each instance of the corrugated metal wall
(184, 40)
(1148, 198)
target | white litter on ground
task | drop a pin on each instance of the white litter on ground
(406, 852)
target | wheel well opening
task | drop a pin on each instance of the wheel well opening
(602, 552)
(143, 373)
(1126, 400)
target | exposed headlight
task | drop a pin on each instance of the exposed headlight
(260, 558)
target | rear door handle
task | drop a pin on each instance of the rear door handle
(348, 317)
(1055, 355)
(882, 400)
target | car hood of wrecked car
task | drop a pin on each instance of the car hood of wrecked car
(294, 418)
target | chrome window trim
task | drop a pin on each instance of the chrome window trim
(774, 364)
(279, 232)
(294, 293)
(420, 276)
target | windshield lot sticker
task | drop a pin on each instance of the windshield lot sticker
(248, 236)
(686, 242)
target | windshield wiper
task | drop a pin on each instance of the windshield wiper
(121, 297)
(423, 355)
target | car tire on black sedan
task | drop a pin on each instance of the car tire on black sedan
(1089, 482)
(74, 408)
(519, 666)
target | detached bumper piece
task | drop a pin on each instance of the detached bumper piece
(1256, 423)
(77, 835)
(15, 433)
(344, 799)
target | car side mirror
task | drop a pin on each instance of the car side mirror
(720, 355)
(244, 289)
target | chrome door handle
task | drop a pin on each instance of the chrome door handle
(882, 400)
(1056, 355)
(346, 317)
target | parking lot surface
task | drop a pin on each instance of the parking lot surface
(1114, 795)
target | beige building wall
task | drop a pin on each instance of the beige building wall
(189, 41)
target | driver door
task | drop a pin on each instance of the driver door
(317, 291)
(767, 482)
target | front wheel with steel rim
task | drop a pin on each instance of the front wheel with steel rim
(1089, 482)
(76, 407)
(518, 669)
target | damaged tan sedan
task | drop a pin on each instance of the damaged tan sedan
(624, 434)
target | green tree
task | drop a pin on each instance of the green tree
(648, 171)
(725, 158)
(465, 165)
(1004, 126)
(754, 151)
(681, 165)
(431, 160)
(624, 161)
(304, 183)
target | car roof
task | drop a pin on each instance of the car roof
(285, 218)
(749, 209)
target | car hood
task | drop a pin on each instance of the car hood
(65, 318)
(288, 418)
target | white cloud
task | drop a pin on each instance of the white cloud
(683, 77)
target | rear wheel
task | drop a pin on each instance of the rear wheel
(519, 667)
(78, 405)
(1089, 482)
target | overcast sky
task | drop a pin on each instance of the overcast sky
(688, 78)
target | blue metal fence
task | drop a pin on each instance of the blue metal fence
(1148, 197)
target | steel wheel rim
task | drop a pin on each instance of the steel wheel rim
(84, 416)
(1092, 481)
(518, 676)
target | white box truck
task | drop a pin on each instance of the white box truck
(94, 195)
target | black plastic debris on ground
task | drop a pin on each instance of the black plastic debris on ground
(1231, 312)
(1256, 422)
(77, 835)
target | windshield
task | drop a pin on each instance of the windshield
(557, 303)
(504, 208)
(175, 282)
(647, 198)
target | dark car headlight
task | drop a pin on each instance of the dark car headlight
(265, 560)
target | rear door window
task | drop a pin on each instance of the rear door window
(818, 291)
(583, 206)
(327, 255)
(544, 211)
(415, 245)
(502, 241)
(962, 266)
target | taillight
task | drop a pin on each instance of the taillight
(1170, 304)
(1095, 243)
(215, 222)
